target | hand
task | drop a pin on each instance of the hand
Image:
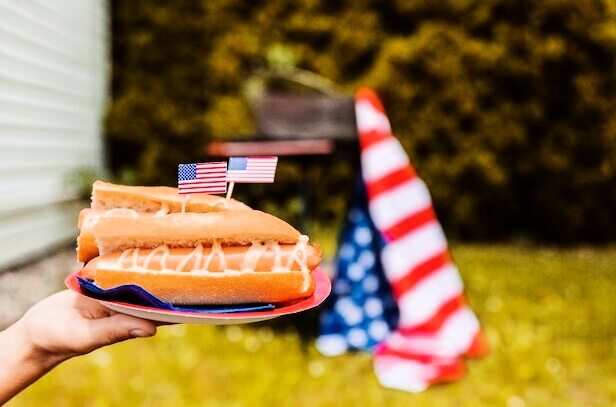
(66, 325)
(57, 328)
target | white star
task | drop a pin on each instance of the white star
(363, 236)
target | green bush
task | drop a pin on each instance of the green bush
(505, 107)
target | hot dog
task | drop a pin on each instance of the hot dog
(262, 272)
(217, 257)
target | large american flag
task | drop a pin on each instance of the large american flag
(436, 327)
(252, 169)
(202, 178)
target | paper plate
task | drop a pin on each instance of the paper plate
(322, 290)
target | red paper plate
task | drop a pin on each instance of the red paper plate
(322, 290)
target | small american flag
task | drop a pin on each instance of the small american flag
(252, 169)
(202, 178)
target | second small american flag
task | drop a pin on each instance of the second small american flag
(252, 169)
(202, 178)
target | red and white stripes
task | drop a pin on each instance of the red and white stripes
(436, 326)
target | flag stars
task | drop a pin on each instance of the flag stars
(357, 337)
(332, 345)
(351, 313)
(356, 272)
(363, 236)
(378, 330)
(366, 258)
(346, 252)
(373, 307)
(187, 171)
(370, 284)
(357, 287)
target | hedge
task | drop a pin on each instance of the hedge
(505, 107)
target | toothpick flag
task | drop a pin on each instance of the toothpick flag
(202, 178)
(244, 170)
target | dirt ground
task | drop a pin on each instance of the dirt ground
(23, 286)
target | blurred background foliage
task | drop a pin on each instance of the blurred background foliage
(505, 107)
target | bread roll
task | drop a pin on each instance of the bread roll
(204, 250)
(152, 199)
(229, 228)
(213, 288)
(111, 200)
(86, 244)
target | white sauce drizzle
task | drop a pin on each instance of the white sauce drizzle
(120, 262)
(91, 220)
(164, 210)
(252, 256)
(163, 258)
(216, 251)
(223, 203)
(278, 256)
(197, 253)
(120, 212)
(135, 263)
(256, 251)
(299, 256)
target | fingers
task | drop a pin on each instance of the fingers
(117, 328)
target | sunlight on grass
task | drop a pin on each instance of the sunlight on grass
(548, 314)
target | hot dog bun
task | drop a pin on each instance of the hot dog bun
(208, 252)
(213, 288)
(152, 199)
(229, 228)
(111, 200)
(86, 244)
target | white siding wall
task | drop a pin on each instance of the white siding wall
(53, 85)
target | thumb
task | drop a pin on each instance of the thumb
(117, 328)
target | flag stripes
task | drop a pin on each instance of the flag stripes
(252, 169)
(410, 223)
(436, 326)
(389, 156)
(391, 180)
(429, 295)
(399, 202)
(436, 321)
(202, 178)
(409, 280)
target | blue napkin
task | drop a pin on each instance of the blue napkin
(133, 294)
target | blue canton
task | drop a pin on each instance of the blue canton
(238, 163)
(187, 172)
(361, 311)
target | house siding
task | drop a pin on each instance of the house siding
(53, 87)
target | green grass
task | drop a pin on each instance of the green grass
(549, 316)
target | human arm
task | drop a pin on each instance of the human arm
(59, 327)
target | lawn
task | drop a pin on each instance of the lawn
(549, 315)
